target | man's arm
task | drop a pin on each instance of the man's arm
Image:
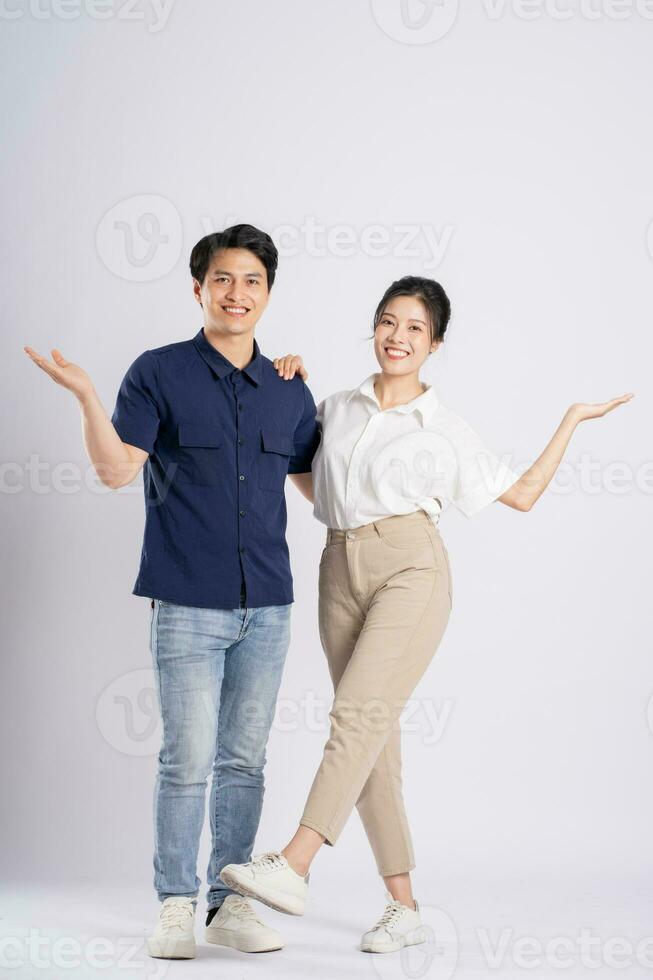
(116, 462)
(307, 434)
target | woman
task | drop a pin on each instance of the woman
(391, 458)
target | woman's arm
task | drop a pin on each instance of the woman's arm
(532, 484)
(304, 483)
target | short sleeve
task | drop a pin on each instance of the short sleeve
(136, 415)
(481, 475)
(306, 436)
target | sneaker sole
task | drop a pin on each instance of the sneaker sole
(412, 939)
(171, 951)
(225, 937)
(280, 903)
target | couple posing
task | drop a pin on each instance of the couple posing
(218, 427)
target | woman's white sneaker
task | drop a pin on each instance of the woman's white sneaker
(269, 879)
(173, 937)
(236, 924)
(399, 926)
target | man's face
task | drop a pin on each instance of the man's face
(234, 293)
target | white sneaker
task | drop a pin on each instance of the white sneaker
(236, 924)
(398, 926)
(173, 938)
(270, 879)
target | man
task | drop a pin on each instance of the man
(216, 429)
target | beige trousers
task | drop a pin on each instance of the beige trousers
(385, 597)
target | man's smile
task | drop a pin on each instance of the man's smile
(236, 310)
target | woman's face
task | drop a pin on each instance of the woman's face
(401, 338)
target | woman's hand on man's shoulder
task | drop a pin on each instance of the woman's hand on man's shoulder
(289, 365)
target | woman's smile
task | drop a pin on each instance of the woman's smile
(396, 353)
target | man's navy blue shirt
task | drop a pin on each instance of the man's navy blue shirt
(220, 442)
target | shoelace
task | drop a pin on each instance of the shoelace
(241, 907)
(270, 861)
(391, 914)
(176, 914)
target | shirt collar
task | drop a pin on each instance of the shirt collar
(424, 405)
(219, 363)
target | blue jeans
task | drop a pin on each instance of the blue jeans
(217, 675)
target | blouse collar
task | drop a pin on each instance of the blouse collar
(424, 405)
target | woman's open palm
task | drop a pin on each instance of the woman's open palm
(64, 372)
(584, 410)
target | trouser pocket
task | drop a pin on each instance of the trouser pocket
(450, 585)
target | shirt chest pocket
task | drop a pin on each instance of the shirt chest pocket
(199, 453)
(276, 450)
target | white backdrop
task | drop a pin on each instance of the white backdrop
(505, 149)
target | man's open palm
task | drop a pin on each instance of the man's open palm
(64, 372)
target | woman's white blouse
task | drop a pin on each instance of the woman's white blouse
(371, 464)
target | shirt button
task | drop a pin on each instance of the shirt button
(242, 513)
(240, 407)
(241, 477)
(242, 551)
(240, 442)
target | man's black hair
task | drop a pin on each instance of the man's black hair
(238, 236)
